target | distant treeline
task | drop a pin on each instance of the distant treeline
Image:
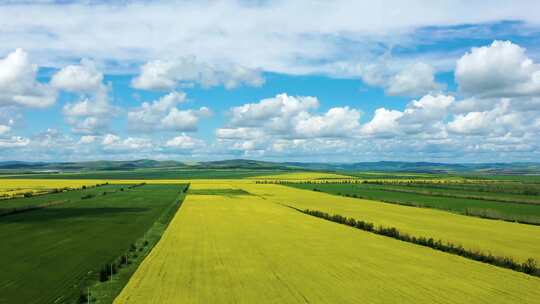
(529, 267)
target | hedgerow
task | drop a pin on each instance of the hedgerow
(530, 266)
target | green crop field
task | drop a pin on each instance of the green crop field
(47, 252)
(248, 249)
(497, 209)
(70, 196)
(498, 192)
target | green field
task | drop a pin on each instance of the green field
(70, 196)
(507, 193)
(529, 213)
(46, 253)
(247, 249)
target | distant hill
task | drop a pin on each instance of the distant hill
(382, 166)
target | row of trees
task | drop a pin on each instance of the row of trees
(108, 270)
(529, 267)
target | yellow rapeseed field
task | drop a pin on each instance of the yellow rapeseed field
(514, 240)
(250, 249)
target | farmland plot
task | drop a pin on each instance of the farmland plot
(518, 241)
(47, 252)
(248, 248)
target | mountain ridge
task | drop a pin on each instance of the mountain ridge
(384, 166)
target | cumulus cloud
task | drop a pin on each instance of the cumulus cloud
(415, 79)
(78, 78)
(501, 69)
(114, 143)
(93, 111)
(384, 121)
(87, 139)
(274, 113)
(18, 83)
(425, 115)
(187, 71)
(184, 142)
(498, 121)
(239, 133)
(163, 115)
(291, 116)
(337, 122)
(271, 124)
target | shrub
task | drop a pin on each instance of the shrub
(530, 266)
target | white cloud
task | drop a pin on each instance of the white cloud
(114, 143)
(186, 72)
(274, 113)
(498, 121)
(423, 116)
(78, 78)
(290, 116)
(87, 139)
(184, 142)
(239, 133)
(180, 120)
(401, 79)
(163, 115)
(7, 126)
(337, 122)
(4, 129)
(471, 123)
(498, 70)
(269, 35)
(415, 80)
(93, 111)
(14, 142)
(384, 121)
(18, 83)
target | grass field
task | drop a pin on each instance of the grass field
(465, 191)
(514, 240)
(47, 252)
(251, 249)
(72, 197)
(504, 210)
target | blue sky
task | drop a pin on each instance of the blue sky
(338, 81)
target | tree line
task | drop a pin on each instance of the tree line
(530, 266)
